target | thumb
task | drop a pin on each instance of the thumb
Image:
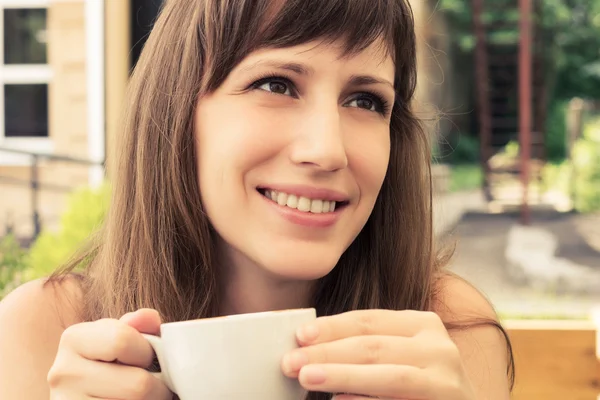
(145, 320)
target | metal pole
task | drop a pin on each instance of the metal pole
(525, 103)
(481, 74)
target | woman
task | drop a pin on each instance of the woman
(269, 160)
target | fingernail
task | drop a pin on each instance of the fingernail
(313, 375)
(292, 362)
(308, 333)
(126, 316)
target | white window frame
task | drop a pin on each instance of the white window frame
(24, 74)
(95, 75)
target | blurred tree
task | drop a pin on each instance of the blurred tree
(586, 161)
(12, 264)
(84, 215)
(572, 30)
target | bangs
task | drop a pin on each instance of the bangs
(234, 28)
(356, 23)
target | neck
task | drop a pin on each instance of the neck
(249, 288)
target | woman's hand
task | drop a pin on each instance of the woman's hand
(105, 359)
(381, 354)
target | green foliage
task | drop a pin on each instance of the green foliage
(586, 161)
(556, 130)
(511, 150)
(12, 264)
(465, 177)
(576, 44)
(557, 176)
(571, 29)
(84, 214)
(580, 178)
(460, 149)
(459, 14)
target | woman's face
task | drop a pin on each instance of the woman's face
(292, 151)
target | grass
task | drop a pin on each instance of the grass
(465, 177)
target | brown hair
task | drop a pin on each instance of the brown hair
(157, 247)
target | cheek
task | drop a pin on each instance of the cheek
(369, 157)
(220, 137)
(231, 140)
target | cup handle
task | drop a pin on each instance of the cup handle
(157, 346)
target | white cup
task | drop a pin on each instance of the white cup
(235, 357)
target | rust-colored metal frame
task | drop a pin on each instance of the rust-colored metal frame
(525, 102)
(525, 98)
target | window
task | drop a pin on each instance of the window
(26, 110)
(24, 75)
(25, 36)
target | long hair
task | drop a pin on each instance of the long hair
(157, 248)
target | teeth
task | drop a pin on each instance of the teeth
(282, 198)
(316, 206)
(303, 204)
(292, 201)
(300, 203)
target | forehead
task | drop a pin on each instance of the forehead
(375, 58)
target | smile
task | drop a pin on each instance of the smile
(305, 205)
(301, 203)
(305, 199)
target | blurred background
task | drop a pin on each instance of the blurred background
(508, 89)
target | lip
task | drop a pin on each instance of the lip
(309, 192)
(303, 218)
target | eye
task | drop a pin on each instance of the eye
(368, 102)
(275, 85)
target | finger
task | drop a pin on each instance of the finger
(357, 397)
(67, 395)
(387, 381)
(406, 323)
(372, 349)
(122, 382)
(109, 340)
(144, 320)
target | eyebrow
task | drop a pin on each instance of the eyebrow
(359, 80)
(301, 69)
(297, 68)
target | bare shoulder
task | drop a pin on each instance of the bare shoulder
(474, 327)
(32, 320)
(43, 302)
(455, 300)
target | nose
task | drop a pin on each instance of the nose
(319, 141)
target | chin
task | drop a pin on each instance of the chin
(301, 267)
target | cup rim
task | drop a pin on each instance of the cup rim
(238, 317)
